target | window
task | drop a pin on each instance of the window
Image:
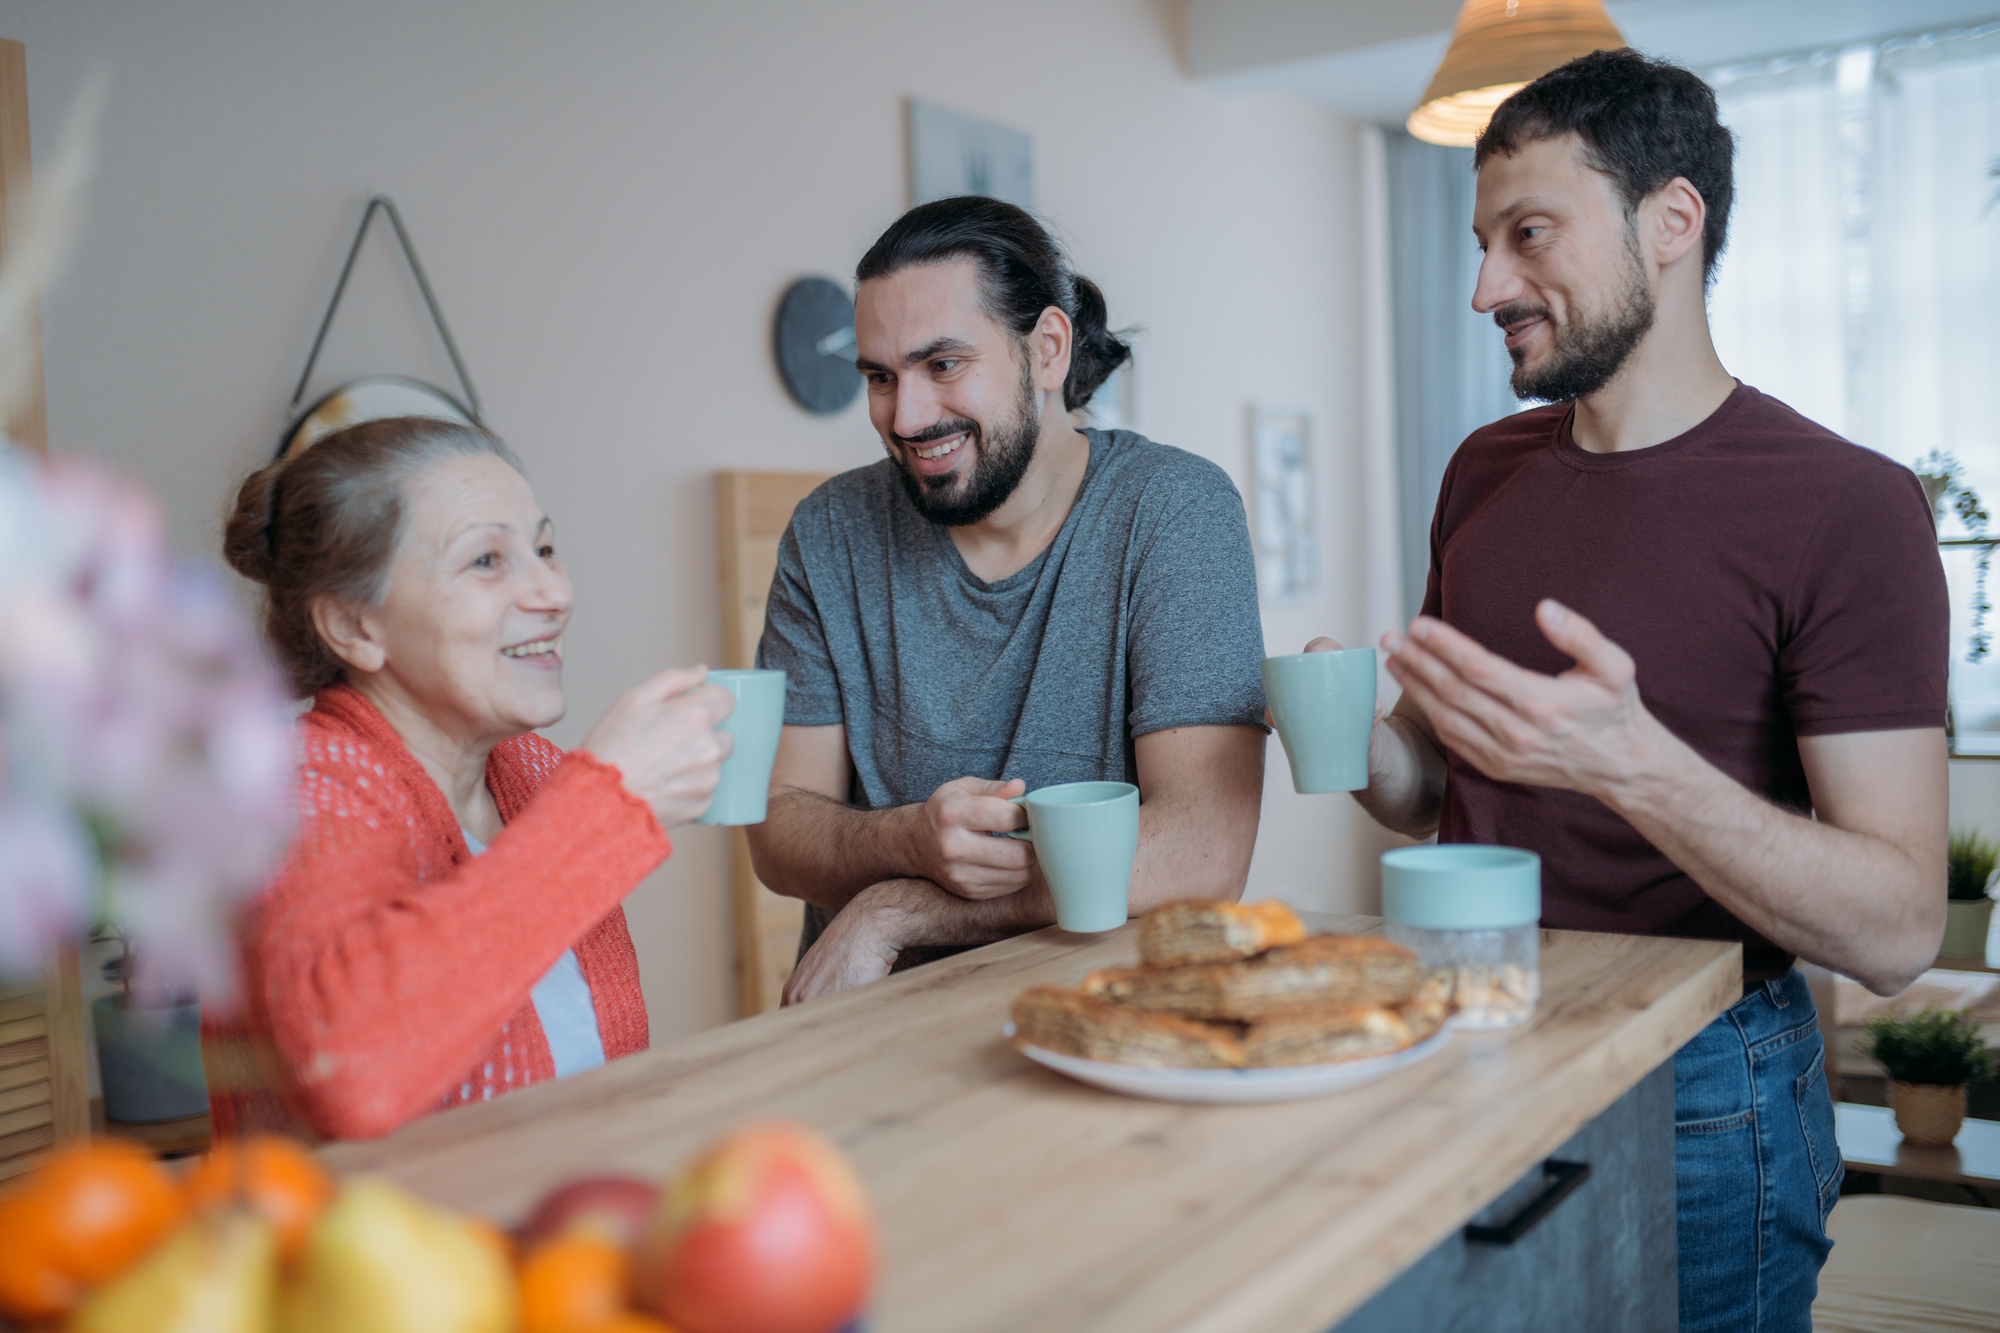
(1862, 279)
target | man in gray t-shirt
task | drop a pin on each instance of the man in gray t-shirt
(1004, 603)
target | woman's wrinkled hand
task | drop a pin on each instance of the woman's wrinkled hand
(663, 737)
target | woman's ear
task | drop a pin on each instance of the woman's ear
(353, 636)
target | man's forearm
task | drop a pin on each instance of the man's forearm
(915, 913)
(1854, 903)
(1406, 770)
(825, 851)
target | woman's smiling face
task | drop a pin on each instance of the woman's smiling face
(471, 627)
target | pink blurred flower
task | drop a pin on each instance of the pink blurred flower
(139, 722)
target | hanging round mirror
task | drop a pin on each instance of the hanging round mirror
(371, 399)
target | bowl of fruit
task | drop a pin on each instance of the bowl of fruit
(766, 1231)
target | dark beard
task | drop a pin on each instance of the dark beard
(1588, 351)
(994, 474)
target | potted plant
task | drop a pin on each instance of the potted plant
(1968, 911)
(148, 1047)
(1930, 1056)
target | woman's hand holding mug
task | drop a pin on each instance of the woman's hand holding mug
(662, 736)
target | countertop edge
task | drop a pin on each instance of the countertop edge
(1293, 1291)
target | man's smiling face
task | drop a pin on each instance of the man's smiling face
(1563, 275)
(948, 389)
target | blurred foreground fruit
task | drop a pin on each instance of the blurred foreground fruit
(77, 1221)
(768, 1231)
(572, 1284)
(381, 1261)
(633, 1322)
(617, 1206)
(274, 1177)
(217, 1274)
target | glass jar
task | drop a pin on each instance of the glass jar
(1475, 912)
(1496, 974)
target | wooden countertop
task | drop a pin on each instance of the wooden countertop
(1012, 1198)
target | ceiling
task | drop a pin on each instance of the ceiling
(1372, 60)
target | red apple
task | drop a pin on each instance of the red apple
(615, 1206)
(768, 1231)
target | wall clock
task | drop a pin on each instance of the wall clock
(814, 340)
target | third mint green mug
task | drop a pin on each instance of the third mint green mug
(1086, 836)
(1324, 705)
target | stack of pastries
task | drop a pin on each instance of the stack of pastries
(1229, 986)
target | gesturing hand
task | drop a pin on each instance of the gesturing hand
(953, 842)
(1585, 730)
(661, 736)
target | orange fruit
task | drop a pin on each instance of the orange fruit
(572, 1284)
(632, 1322)
(273, 1176)
(31, 1286)
(79, 1220)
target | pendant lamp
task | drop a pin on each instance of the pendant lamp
(1498, 47)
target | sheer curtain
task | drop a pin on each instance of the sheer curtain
(1451, 368)
(1862, 279)
(1777, 307)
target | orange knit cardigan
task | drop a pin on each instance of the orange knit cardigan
(387, 970)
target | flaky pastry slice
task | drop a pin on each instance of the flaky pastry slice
(1321, 972)
(1214, 932)
(1325, 1036)
(1072, 1023)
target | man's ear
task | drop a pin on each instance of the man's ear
(1050, 344)
(1675, 217)
(352, 635)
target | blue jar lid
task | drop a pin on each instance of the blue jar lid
(1462, 886)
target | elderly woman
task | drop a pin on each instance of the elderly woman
(447, 928)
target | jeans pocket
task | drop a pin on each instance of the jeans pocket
(1816, 1126)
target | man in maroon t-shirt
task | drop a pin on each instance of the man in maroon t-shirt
(1685, 644)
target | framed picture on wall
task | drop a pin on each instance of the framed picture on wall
(1281, 503)
(952, 153)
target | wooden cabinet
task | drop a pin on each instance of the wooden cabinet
(1602, 1258)
(751, 512)
(44, 1086)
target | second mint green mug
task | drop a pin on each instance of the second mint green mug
(759, 720)
(1086, 836)
(1324, 705)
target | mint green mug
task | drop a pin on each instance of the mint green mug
(1324, 706)
(757, 723)
(1086, 836)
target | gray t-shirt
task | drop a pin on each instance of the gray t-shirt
(1141, 615)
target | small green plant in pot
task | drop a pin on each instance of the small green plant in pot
(1969, 866)
(1930, 1056)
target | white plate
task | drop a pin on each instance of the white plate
(1233, 1086)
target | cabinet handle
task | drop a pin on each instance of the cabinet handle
(1560, 1180)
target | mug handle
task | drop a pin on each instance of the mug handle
(1023, 834)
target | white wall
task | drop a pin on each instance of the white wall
(609, 197)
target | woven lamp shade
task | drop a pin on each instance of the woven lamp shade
(1497, 46)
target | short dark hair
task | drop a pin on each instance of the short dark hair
(1022, 272)
(1643, 122)
(326, 522)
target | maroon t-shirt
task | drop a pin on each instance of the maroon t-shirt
(1770, 580)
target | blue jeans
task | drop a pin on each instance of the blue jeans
(1756, 1165)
